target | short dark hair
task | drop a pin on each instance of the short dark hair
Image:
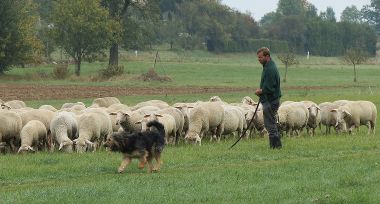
(264, 50)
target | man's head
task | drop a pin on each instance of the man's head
(263, 55)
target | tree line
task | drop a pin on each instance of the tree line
(30, 30)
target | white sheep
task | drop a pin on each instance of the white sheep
(314, 116)
(206, 116)
(356, 113)
(105, 102)
(64, 128)
(157, 103)
(127, 119)
(10, 128)
(48, 107)
(329, 118)
(179, 118)
(234, 120)
(217, 99)
(293, 117)
(69, 105)
(166, 120)
(13, 104)
(33, 136)
(94, 127)
(112, 110)
(248, 100)
(341, 102)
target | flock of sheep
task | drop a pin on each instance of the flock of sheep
(75, 127)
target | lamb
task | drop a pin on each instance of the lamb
(10, 128)
(94, 127)
(314, 116)
(234, 120)
(207, 116)
(293, 117)
(166, 120)
(105, 102)
(64, 128)
(356, 113)
(14, 104)
(157, 103)
(33, 136)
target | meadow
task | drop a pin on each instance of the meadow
(320, 169)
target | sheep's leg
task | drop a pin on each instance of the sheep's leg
(368, 124)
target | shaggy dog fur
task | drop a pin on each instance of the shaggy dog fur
(142, 145)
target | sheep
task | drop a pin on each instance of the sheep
(69, 105)
(157, 103)
(64, 128)
(248, 100)
(234, 120)
(314, 116)
(166, 120)
(105, 102)
(356, 113)
(33, 136)
(178, 117)
(183, 107)
(48, 107)
(207, 116)
(127, 119)
(257, 123)
(217, 99)
(112, 110)
(94, 127)
(293, 117)
(14, 104)
(10, 128)
(341, 102)
(329, 117)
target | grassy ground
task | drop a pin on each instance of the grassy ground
(320, 169)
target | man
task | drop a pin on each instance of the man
(269, 93)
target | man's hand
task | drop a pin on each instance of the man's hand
(258, 92)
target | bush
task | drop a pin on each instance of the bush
(111, 71)
(61, 71)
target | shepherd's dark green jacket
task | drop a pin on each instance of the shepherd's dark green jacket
(270, 82)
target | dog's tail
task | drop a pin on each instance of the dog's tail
(158, 126)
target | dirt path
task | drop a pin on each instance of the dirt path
(42, 92)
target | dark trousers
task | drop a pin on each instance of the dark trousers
(270, 122)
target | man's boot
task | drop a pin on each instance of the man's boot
(277, 143)
(272, 142)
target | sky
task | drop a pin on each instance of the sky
(258, 8)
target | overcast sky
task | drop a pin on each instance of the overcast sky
(260, 7)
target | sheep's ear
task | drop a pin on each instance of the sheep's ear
(138, 122)
(158, 115)
(190, 107)
(179, 107)
(60, 146)
(113, 113)
(147, 116)
(334, 110)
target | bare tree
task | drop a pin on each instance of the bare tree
(288, 59)
(355, 56)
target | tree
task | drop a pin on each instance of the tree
(329, 15)
(288, 59)
(355, 56)
(82, 28)
(291, 7)
(372, 14)
(18, 41)
(351, 15)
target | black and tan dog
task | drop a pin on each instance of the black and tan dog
(142, 145)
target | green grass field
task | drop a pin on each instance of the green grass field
(319, 169)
